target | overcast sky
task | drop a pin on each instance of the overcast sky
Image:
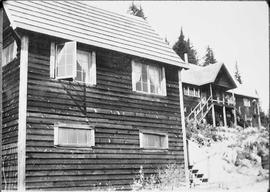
(237, 31)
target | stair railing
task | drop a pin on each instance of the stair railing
(199, 109)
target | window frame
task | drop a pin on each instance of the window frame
(12, 53)
(74, 126)
(187, 91)
(90, 80)
(246, 102)
(163, 89)
(144, 132)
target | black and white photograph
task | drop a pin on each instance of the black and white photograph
(134, 96)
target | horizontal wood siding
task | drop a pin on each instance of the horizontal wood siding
(112, 108)
(10, 118)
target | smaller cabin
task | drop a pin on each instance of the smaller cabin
(212, 95)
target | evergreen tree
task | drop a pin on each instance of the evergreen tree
(192, 53)
(237, 74)
(183, 46)
(209, 57)
(136, 11)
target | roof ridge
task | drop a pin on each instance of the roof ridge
(112, 12)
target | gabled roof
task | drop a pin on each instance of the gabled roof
(76, 21)
(199, 75)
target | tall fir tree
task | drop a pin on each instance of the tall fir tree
(209, 57)
(237, 74)
(183, 46)
(136, 11)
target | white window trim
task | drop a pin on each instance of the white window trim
(141, 139)
(162, 84)
(93, 73)
(188, 92)
(73, 126)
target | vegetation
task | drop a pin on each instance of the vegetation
(183, 46)
(209, 57)
(136, 11)
(237, 74)
(169, 178)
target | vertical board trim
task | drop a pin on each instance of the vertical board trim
(52, 60)
(181, 98)
(22, 112)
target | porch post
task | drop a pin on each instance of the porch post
(234, 110)
(213, 106)
(183, 127)
(224, 111)
(259, 116)
(1, 60)
(22, 113)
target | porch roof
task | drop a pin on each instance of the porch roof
(77, 21)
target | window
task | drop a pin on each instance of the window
(246, 102)
(9, 53)
(190, 91)
(148, 79)
(74, 135)
(72, 63)
(153, 140)
(185, 90)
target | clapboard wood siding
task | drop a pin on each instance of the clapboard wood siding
(115, 112)
(10, 116)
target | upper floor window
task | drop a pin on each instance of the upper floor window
(74, 135)
(190, 91)
(73, 63)
(148, 79)
(246, 102)
(9, 53)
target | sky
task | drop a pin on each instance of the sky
(236, 31)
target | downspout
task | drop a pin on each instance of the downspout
(183, 123)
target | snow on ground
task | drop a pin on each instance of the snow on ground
(217, 162)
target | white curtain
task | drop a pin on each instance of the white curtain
(136, 73)
(154, 75)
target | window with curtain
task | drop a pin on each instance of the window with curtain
(74, 135)
(152, 140)
(74, 64)
(9, 53)
(148, 79)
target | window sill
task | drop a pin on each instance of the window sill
(149, 94)
(154, 149)
(69, 80)
(72, 147)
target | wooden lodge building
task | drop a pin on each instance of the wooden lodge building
(89, 97)
(211, 94)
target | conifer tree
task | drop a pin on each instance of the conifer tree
(237, 74)
(183, 46)
(136, 11)
(209, 57)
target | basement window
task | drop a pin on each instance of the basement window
(74, 135)
(74, 64)
(148, 79)
(9, 53)
(153, 140)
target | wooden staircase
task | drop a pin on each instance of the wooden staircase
(195, 177)
(201, 110)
